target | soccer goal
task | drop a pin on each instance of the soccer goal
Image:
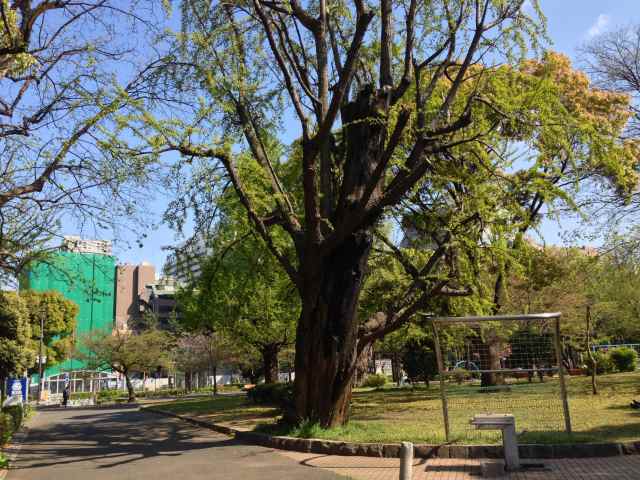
(501, 364)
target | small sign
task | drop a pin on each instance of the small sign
(17, 388)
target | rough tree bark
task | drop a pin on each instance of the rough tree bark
(327, 334)
(327, 337)
(130, 390)
(270, 360)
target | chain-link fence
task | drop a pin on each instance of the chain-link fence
(502, 364)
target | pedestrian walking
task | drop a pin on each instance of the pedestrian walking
(65, 396)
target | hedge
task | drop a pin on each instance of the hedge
(625, 359)
(277, 394)
(11, 419)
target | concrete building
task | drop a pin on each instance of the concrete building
(185, 262)
(75, 244)
(83, 273)
(131, 281)
(159, 298)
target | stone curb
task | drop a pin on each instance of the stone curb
(392, 450)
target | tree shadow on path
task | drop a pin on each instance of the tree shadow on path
(110, 438)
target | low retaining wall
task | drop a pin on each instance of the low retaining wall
(392, 450)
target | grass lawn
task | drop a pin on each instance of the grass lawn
(396, 414)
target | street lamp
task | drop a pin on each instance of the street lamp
(40, 362)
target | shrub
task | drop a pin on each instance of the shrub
(625, 359)
(278, 394)
(109, 394)
(459, 375)
(10, 420)
(604, 363)
(375, 380)
(80, 395)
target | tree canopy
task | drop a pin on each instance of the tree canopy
(59, 317)
(411, 112)
(125, 352)
(16, 347)
(67, 70)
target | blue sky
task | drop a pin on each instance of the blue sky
(570, 24)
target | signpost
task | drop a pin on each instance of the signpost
(17, 390)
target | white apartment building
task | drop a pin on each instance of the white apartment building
(185, 262)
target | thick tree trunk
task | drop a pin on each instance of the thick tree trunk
(326, 339)
(3, 389)
(130, 390)
(188, 384)
(327, 334)
(270, 360)
(215, 379)
(396, 368)
(493, 349)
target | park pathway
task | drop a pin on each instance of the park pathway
(124, 443)
(367, 468)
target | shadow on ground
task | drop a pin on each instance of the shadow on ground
(117, 436)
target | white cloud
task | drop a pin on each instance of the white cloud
(600, 25)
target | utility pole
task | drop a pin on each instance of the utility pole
(40, 355)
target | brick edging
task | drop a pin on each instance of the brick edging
(392, 450)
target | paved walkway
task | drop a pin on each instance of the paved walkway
(366, 468)
(126, 444)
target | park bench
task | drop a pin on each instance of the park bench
(507, 424)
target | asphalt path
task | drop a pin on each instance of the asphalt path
(126, 443)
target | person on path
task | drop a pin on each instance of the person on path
(65, 396)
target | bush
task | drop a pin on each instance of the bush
(375, 380)
(625, 359)
(10, 421)
(278, 394)
(80, 395)
(110, 394)
(604, 363)
(459, 375)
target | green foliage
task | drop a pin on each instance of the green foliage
(59, 322)
(107, 395)
(460, 375)
(243, 294)
(603, 361)
(81, 395)
(278, 394)
(17, 352)
(530, 347)
(419, 360)
(375, 380)
(625, 359)
(125, 351)
(11, 419)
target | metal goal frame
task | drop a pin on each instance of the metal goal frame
(437, 322)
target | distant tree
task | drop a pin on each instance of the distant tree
(203, 352)
(17, 352)
(419, 360)
(243, 293)
(125, 353)
(532, 350)
(612, 61)
(59, 316)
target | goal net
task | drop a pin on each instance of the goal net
(502, 364)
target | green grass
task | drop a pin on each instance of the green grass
(232, 410)
(4, 461)
(397, 414)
